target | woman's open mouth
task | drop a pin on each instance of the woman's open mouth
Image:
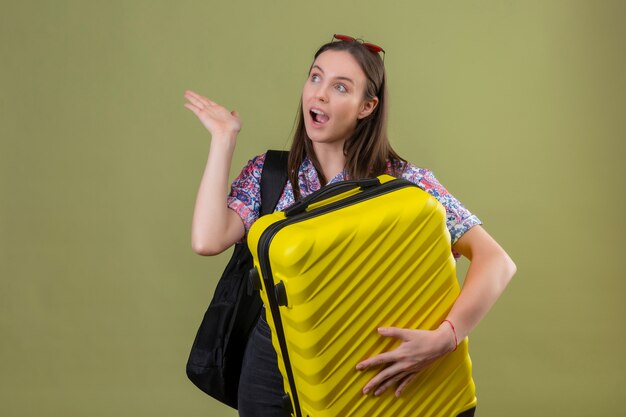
(318, 117)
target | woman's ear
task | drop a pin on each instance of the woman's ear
(368, 107)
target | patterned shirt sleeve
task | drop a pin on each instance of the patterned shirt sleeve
(245, 192)
(459, 219)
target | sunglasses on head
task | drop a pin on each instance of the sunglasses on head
(370, 46)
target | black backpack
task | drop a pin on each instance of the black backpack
(214, 364)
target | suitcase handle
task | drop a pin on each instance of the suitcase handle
(330, 191)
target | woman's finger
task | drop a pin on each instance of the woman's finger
(389, 382)
(403, 383)
(380, 359)
(398, 333)
(193, 108)
(193, 94)
(394, 371)
(197, 99)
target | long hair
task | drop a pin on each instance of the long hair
(368, 149)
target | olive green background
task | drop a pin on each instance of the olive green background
(518, 108)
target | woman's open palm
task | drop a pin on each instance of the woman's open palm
(217, 119)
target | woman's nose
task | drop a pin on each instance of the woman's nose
(322, 95)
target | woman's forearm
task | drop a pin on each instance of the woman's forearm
(489, 273)
(214, 226)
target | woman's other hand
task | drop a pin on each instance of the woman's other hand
(217, 119)
(215, 227)
(418, 349)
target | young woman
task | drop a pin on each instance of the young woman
(341, 134)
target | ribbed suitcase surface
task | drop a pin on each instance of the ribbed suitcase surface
(334, 273)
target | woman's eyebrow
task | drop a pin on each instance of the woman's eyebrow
(337, 78)
(318, 67)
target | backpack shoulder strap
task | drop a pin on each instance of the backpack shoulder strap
(273, 179)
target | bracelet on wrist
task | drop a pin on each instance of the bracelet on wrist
(456, 340)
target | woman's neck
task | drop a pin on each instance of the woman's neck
(331, 159)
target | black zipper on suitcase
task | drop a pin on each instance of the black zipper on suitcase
(266, 271)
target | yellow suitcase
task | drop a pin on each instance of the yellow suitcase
(350, 258)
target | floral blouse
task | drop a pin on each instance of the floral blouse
(245, 194)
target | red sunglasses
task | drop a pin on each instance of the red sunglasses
(370, 46)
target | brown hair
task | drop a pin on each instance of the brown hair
(368, 149)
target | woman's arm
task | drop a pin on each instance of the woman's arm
(215, 227)
(489, 272)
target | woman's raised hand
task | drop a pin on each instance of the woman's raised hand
(217, 119)
(215, 227)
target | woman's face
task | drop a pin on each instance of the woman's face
(333, 98)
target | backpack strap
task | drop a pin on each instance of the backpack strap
(273, 179)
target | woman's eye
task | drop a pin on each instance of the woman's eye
(315, 78)
(341, 88)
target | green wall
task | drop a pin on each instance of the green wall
(518, 108)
